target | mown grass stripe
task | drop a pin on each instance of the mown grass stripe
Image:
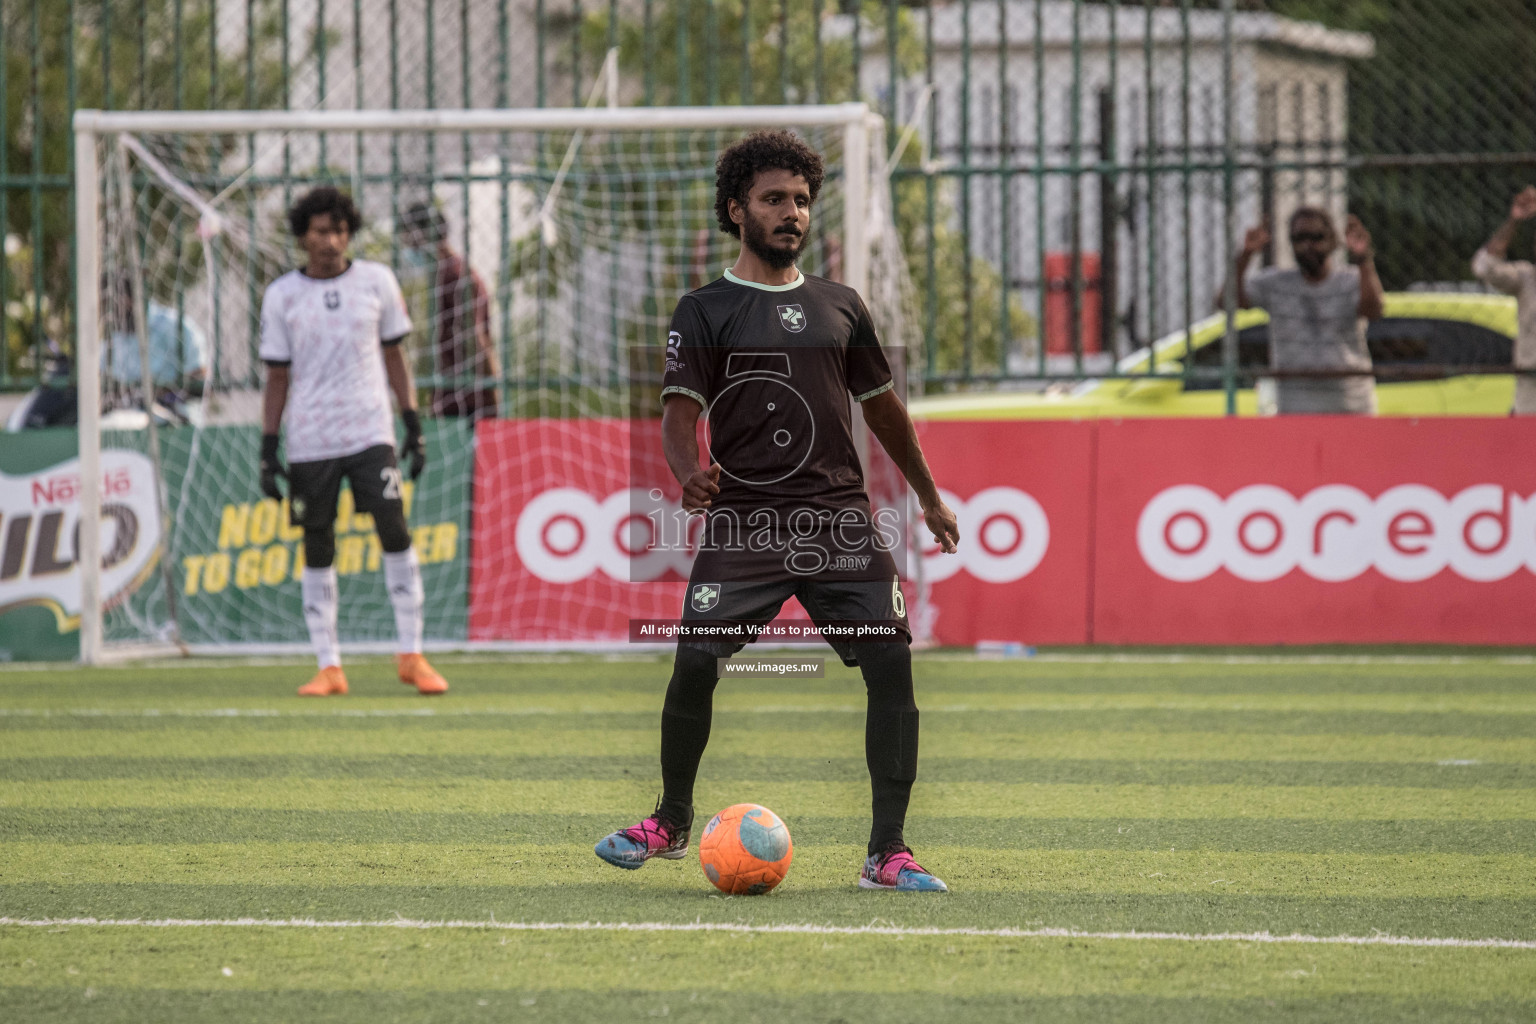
(41, 1004)
(181, 826)
(775, 768)
(394, 739)
(631, 798)
(968, 720)
(996, 870)
(943, 671)
(954, 965)
(194, 698)
(1266, 938)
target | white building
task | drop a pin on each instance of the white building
(1289, 103)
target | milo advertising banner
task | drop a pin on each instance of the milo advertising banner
(232, 572)
(39, 531)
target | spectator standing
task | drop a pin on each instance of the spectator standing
(1315, 311)
(1517, 278)
(461, 320)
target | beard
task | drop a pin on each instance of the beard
(1311, 265)
(759, 243)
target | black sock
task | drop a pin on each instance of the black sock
(890, 739)
(685, 719)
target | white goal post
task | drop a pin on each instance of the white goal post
(208, 183)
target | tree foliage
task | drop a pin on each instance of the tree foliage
(1448, 77)
(735, 52)
(126, 54)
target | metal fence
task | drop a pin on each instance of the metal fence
(1079, 174)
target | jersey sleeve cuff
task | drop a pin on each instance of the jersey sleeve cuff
(674, 389)
(277, 362)
(882, 389)
(387, 342)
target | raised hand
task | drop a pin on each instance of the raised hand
(1357, 240)
(1256, 240)
(1524, 206)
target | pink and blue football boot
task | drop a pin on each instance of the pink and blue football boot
(654, 837)
(895, 869)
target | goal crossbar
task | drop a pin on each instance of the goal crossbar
(443, 120)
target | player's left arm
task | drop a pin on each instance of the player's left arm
(888, 420)
(414, 447)
(394, 325)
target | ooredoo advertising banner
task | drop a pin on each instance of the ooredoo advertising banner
(1022, 492)
(1315, 530)
(574, 524)
(564, 549)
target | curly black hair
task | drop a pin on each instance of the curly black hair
(768, 150)
(324, 199)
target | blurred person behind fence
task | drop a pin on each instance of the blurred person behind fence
(1315, 313)
(465, 355)
(178, 347)
(1517, 278)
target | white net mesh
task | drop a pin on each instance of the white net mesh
(540, 270)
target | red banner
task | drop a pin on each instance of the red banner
(1302, 530)
(561, 531)
(1315, 530)
(1022, 491)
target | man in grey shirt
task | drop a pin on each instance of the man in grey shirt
(1517, 278)
(1314, 314)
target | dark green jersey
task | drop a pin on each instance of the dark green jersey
(774, 368)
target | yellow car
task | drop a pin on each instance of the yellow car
(1417, 347)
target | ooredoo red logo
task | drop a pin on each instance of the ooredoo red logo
(565, 534)
(1336, 532)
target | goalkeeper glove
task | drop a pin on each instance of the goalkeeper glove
(271, 468)
(413, 445)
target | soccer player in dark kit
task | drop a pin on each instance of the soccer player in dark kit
(774, 355)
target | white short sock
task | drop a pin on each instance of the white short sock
(319, 589)
(402, 575)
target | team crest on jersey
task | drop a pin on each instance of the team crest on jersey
(793, 318)
(333, 299)
(705, 596)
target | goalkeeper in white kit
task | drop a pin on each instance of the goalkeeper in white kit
(330, 338)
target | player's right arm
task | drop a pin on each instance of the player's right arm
(680, 443)
(687, 384)
(277, 353)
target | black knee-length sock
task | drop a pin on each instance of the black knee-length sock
(685, 720)
(890, 739)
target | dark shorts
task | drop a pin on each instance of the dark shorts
(313, 487)
(834, 605)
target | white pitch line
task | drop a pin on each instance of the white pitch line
(724, 708)
(405, 712)
(894, 931)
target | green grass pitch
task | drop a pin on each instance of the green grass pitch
(1069, 804)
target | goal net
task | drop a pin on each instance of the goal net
(540, 254)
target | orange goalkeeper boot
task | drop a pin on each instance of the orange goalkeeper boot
(328, 682)
(414, 671)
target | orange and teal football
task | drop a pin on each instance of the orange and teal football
(745, 850)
